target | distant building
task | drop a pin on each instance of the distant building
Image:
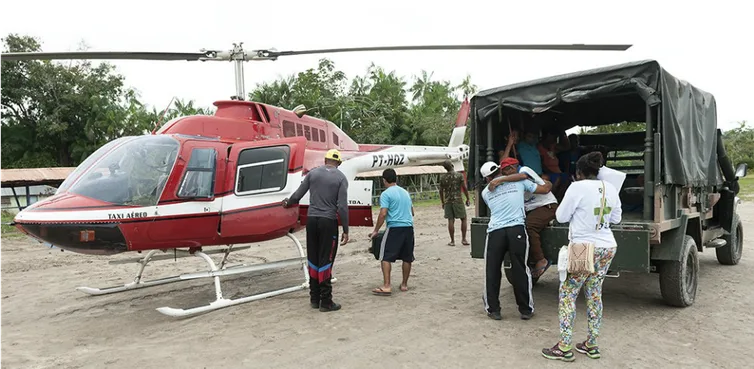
(36, 193)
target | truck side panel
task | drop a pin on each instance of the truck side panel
(632, 254)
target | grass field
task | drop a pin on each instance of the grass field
(747, 188)
(9, 231)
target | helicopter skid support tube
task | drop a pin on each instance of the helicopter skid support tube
(137, 282)
(221, 302)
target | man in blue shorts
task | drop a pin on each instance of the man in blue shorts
(398, 239)
(506, 233)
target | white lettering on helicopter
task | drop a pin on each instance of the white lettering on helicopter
(388, 159)
(142, 214)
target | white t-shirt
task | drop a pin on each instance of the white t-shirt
(580, 208)
(533, 200)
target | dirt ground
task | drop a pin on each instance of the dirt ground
(439, 323)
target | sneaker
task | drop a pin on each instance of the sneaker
(591, 352)
(526, 316)
(495, 315)
(327, 308)
(555, 353)
(315, 305)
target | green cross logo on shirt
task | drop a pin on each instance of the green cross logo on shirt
(606, 211)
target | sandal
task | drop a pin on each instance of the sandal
(543, 269)
(555, 353)
(380, 292)
(451, 243)
(404, 288)
(465, 243)
(591, 352)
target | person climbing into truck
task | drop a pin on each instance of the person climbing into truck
(540, 211)
(506, 234)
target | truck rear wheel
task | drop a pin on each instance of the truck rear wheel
(730, 254)
(679, 279)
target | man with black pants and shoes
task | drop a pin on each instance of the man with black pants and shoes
(328, 199)
(506, 233)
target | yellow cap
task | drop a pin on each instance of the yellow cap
(333, 154)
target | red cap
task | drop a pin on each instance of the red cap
(508, 162)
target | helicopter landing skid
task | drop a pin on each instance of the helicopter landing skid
(216, 273)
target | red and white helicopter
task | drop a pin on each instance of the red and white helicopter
(219, 180)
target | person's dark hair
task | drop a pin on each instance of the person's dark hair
(389, 175)
(589, 164)
(448, 165)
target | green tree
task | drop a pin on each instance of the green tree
(739, 144)
(377, 107)
(56, 114)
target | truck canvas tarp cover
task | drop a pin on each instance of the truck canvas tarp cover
(619, 93)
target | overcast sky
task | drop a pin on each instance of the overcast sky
(704, 44)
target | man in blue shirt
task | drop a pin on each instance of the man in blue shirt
(398, 239)
(506, 233)
(527, 150)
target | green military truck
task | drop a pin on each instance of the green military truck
(680, 192)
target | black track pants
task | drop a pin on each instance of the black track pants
(514, 240)
(321, 248)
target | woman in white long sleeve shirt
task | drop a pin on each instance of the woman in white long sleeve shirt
(581, 207)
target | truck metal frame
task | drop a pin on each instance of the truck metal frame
(688, 196)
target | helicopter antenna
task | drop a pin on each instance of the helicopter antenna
(159, 120)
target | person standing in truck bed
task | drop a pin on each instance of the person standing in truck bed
(328, 200)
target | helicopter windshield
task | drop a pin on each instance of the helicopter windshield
(133, 173)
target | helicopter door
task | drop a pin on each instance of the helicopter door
(192, 200)
(259, 176)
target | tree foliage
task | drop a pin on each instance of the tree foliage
(739, 144)
(377, 107)
(56, 114)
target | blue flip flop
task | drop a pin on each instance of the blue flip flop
(543, 269)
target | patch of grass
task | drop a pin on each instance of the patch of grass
(747, 188)
(7, 230)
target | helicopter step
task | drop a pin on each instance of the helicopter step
(213, 272)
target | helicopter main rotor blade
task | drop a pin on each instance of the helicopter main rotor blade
(604, 47)
(105, 55)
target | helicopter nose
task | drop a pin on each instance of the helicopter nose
(95, 239)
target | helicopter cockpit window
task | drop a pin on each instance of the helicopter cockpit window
(262, 170)
(289, 129)
(199, 180)
(89, 161)
(133, 173)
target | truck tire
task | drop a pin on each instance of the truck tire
(509, 272)
(679, 279)
(730, 254)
